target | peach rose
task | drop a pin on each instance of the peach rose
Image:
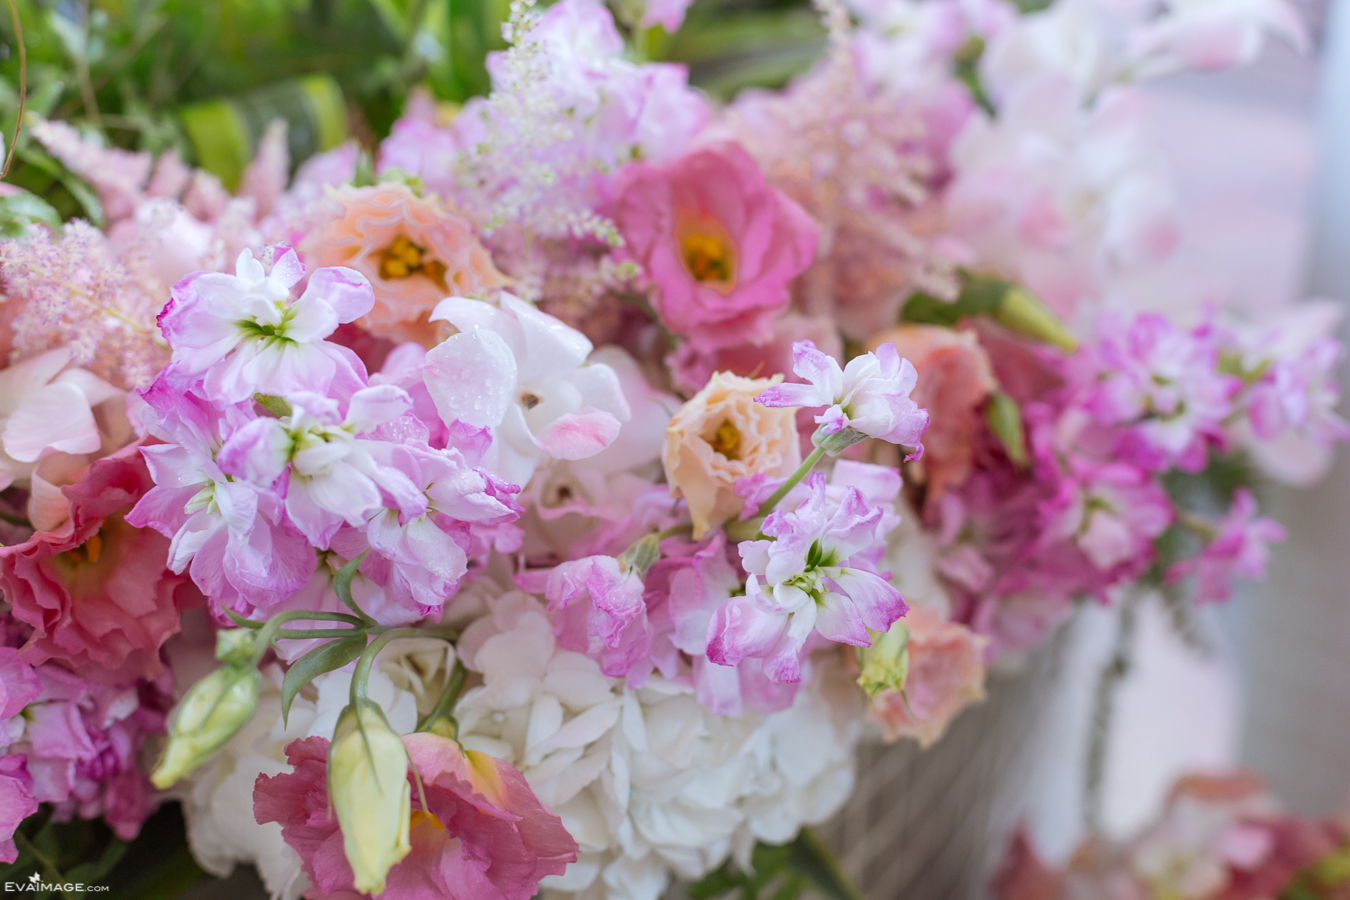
(955, 379)
(946, 672)
(416, 251)
(723, 435)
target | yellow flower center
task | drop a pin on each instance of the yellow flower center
(726, 440)
(708, 252)
(418, 816)
(404, 259)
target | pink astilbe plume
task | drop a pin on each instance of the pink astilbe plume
(72, 288)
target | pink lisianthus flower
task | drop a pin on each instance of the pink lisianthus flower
(243, 555)
(870, 395)
(481, 835)
(599, 610)
(524, 376)
(81, 741)
(243, 334)
(720, 244)
(97, 592)
(16, 802)
(1241, 546)
(805, 579)
(1163, 386)
(1110, 511)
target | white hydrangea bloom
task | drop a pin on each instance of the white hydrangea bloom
(651, 784)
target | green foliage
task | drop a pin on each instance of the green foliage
(323, 658)
(60, 853)
(781, 873)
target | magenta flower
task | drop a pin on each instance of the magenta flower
(870, 395)
(720, 244)
(1111, 511)
(1241, 547)
(477, 830)
(599, 610)
(16, 802)
(806, 578)
(245, 334)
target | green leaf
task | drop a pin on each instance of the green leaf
(342, 584)
(714, 884)
(324, 658)
(93, 871)
(813, 859)
(167, 881)
(19, 211)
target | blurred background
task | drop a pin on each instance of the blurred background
(1260, 159)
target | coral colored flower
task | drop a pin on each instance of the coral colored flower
(720, 437)
(946, 673)
(482, 834)
(599, 610)
(415, 251)
(97, 593)
(807, 577)
(719, 243)
(523, 375)
(245, 335)
(869, 395)
(954, 380)
(1240, 547)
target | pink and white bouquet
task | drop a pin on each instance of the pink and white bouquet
(549, 505)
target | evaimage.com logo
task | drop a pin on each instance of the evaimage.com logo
(35, 884)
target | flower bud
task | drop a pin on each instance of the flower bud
(368, 786)
(1023, 312)
(885, 665)
(235, 645)
(211, 712)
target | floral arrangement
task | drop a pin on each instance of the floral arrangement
(549, 501)
(1219, 837)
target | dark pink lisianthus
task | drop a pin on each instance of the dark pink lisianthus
(720, 244)
(96, 591)
(482, 834)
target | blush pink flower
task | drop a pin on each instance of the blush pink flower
(481, 835)
(415, 251)
(946, 674)
(720, 244)
(97, 592)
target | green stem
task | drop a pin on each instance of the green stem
(362, 673)
(674, 530)
(802, 471)
(448, 698)
(272, 630)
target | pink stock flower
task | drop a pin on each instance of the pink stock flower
(805, 579)
(870, 395)
(1111, 511)
(1163, 386)
(479, 834)
(1300, 394)
(16, 802)
(524, 376)
(420, 145)
(97, 592)
(946, 674)
(245, 335)
(1240, 547)
(669, 14)
(81, 741)
(243, 554)
(599, 610)
(413, 250)
(955, 378)
(720, 244)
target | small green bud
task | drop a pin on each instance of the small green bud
(235, 645)
(837, 443)
(1023, 312)
(885, 665)
(368, 787)
(212, 712)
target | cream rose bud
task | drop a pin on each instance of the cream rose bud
(721, 436)
(368, 784)
(210, 713)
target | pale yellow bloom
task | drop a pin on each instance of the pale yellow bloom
(368, 786)
(208, 716)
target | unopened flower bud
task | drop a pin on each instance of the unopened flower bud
(368, 786)
(839, 441)
(211, 712)
(235, 645)
(885, 665)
